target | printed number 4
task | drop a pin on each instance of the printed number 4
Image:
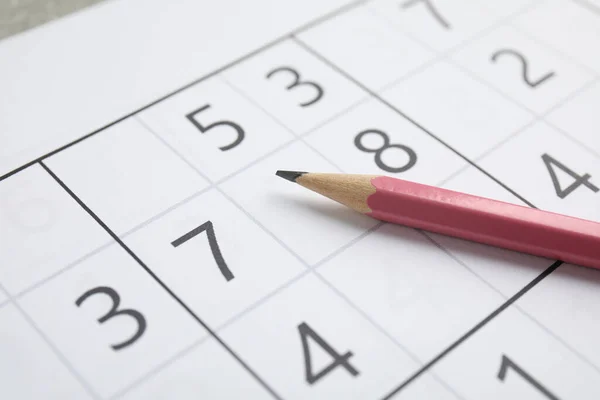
(212, 242)
(339, 360)
(584, 179)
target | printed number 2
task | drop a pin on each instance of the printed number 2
(584, 180)
(338, 359)
(521, 58)
(212, 242)
(114, 312)
(507, 363)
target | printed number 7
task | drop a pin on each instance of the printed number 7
(214, 246)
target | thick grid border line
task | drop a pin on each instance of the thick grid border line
(262, 48)
(160, 282)
(371, 94)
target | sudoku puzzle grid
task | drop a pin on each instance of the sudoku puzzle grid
(160, 257)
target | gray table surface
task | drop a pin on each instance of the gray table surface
(19, 15)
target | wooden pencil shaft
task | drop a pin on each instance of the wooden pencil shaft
(462, 215)
(487, 221)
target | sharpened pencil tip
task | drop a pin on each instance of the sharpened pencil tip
(290, 175)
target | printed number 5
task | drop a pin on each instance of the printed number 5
(238, 129)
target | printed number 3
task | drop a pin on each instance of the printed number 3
(297, 82)
(115, 312)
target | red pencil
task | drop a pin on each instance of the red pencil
(479, 219)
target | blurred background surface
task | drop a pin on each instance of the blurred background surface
(19, 15)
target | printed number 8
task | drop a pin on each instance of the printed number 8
(412, 156)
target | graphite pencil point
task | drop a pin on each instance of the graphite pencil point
(290, 175)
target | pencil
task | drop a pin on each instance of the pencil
(462, 215)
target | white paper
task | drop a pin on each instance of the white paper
(148, 251)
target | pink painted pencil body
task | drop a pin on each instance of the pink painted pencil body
(486, 221)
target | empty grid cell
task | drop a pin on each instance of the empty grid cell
(458, 109)
(379, 54)
(527, 71)
(374, 139)
(512, 357)
(567, 26)
(294, 86)
(567, 304)
(595, 4)
(579, 117)
(509, 8)
(29, 369)
(42, 229)
(440, 24)
(309, 224)
(550, 170)
(507, 271)
(206, 372)
(111, 320)
(413, 289)
(425, 387)
(215, 128)
(309, 343)
(214, 257)
(125, 175)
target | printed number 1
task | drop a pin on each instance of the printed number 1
(212, 242)
(508, 363)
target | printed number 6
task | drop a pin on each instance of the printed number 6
(412, 156)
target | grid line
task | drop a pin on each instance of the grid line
(313, 267)
(506, 21)
(61, 358)
(166, 363)
(445, 54)
(298, 138)
(217, 71)
(502, 307)
(309, 268)
(161, 283)
(415, 123)
(476, 328)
